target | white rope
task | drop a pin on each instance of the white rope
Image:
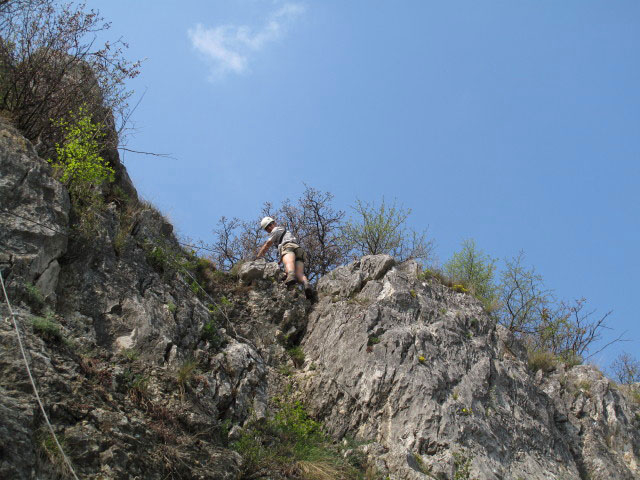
(33, 383)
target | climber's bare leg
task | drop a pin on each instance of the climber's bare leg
(289, 262)
(302, 278)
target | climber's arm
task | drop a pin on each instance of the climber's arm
(264, 248)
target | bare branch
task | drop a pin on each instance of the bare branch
(163, 155)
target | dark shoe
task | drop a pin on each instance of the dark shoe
(309, 291)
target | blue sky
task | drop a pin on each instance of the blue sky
(516, 123)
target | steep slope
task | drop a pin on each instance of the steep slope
(149, 361)
(142, 377)
(426, 374)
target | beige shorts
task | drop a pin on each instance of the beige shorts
(296, 249)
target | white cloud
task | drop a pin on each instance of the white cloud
(229, 47)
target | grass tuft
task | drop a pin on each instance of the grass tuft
(542, 360)
(297, 356)
(185, 374)
(291, 444)
(47, 329)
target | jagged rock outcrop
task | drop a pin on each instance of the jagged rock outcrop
(424, 373)
(147, 373)
(110, 324)
(28, 194)
(599, 419)
(258, 271)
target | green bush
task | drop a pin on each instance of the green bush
(235, 269)
(135, 384)
(460, 288)
(78, 159)
(570, 358)
(373, 340)
(382, 230)
(80, 166)
(472, 269)
(211, 334)
(434, 273)
(47, 329)
(185, 374)
(158, 257)
(297, 355)
(34, 297)
(462, 466)
(48, 448)
(584, 386)
(130, 354)
(290, 439)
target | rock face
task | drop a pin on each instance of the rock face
(598, 421)
(425, 374)
(148, 360)
(115, 332)
(258, 270)
(34, 214)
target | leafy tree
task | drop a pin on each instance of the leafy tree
(78, 157)
(532, 312)
(226, 247)
(382, 229)
(319, 230)
(80, 166)
(474, 269)
(236, 240)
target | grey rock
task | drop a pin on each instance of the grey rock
(349, 279)
(34, 214)
(423, 371)
(143, 380)
(599, 421)
(256, 270)
(48, 280)
(109, 378)
(235, 433)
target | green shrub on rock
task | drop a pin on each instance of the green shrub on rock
(81, 168)
(78, 159)
(47, 329)
(473, 270)
(542, 360)
(291, 442)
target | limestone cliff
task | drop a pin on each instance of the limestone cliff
(424, 372)
(149, 362)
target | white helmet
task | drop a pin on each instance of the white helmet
(265, 222)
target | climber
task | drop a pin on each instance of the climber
(292, 255)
